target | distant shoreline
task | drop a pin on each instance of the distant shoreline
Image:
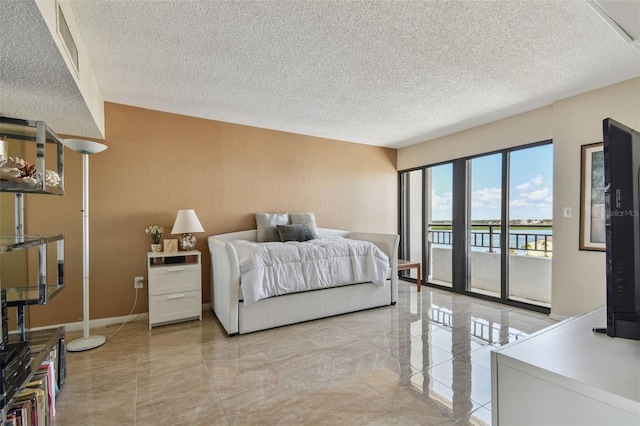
(530, 224)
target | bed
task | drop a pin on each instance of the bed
(238, 317)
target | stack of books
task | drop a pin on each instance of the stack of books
(35, 403)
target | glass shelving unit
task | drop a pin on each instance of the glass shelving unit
(41, 293)
(32, 162)
(39, 146)
(47, 344)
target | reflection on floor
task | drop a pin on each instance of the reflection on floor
(424, 361)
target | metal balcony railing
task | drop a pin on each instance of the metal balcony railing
(488, 236)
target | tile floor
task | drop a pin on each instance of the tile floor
(424, 361)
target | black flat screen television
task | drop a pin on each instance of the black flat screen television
(622, 228)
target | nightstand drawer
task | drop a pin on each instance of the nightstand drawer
(172, 279)
(175, 306)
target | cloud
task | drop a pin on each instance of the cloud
(539, 194)
(531, 183)
(442, 202)
(485, 203)
(441, 206)
(534, 203)
(532, 200)
(487, 195)
(519, 203)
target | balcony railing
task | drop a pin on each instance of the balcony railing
(488, 236)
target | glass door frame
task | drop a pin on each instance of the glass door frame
(404, 221)
(461, 215)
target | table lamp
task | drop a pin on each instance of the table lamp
(186, 223)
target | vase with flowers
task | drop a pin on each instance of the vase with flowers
(156, 233)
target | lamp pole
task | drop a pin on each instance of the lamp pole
(85, 148)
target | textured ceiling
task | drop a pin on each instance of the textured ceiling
(35, 83)
(387, 73)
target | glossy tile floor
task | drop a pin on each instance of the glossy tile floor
(424, 361)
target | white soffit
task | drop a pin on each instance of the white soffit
(625, 13)
(388, 73)
(35, 83)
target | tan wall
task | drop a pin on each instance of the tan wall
(578, 277)
(158, 163)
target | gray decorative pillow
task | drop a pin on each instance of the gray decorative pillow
(266, 224)
(300, 232)
(308, 219)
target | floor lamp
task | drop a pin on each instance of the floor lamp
(85, 148)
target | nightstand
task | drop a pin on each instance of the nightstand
(175, 286)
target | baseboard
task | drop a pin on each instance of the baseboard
(557, 317)
(104, 322)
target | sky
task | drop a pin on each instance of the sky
(531, 180)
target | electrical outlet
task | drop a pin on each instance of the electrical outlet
(138, 282)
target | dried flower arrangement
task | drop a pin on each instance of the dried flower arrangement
(156, 233)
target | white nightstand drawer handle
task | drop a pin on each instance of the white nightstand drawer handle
(175, 296)
(175, 269)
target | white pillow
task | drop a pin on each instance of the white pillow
(267, 226)
(308, 219)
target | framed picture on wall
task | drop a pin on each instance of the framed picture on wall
(592, 209)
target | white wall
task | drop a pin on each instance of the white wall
(521, 129)
(578, 277)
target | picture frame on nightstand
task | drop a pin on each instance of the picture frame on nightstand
(171, 246)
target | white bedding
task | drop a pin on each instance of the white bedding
(272, 269)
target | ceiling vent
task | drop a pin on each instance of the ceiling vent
(67, 40)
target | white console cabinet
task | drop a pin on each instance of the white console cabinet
(175, 287)
(567, 375)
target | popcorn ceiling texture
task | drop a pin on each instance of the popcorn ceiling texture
(381, 73)
(35, 83)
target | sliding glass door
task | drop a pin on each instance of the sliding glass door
(530, 225)
(482, 225)
(439, 219)
(485, 225)
(412, 194)
(426, 205)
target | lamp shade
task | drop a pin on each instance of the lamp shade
(84, 146)
(186, 223)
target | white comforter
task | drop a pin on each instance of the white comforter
(272, 269)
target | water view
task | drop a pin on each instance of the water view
(524, 238)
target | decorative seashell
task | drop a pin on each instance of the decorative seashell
(11, 174)
(15, 162)
(52, 178)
